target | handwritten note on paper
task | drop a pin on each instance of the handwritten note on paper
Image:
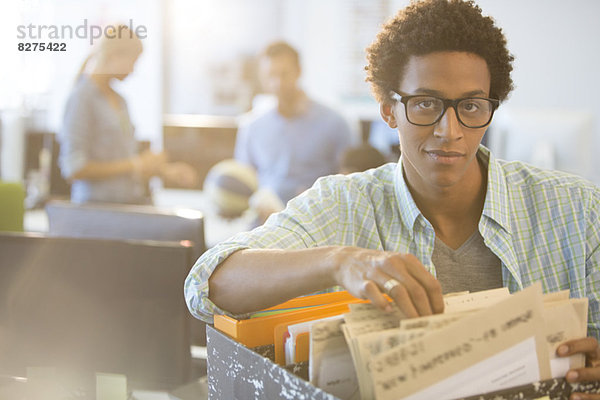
(565, 320)
(374, 325)
(440, 354)
(436, 321)
(322, 335)
(512, 367)
(365, 318)
(361, 312)
(371, 344)
(473, 301)
(330, 365)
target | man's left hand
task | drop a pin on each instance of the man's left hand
(591, 371)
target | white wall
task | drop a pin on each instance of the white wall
(556, 45)
(34, 81)
(331, 37)
(205, 41)
(204, 34)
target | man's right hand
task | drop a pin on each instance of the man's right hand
(364, 274)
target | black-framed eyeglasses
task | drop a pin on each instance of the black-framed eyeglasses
(424, 110)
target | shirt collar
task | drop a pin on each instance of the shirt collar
(496, 206)
(409, 212)
(496, 197)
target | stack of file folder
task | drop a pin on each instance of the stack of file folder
(484, 342)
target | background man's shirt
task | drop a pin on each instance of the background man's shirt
(289, 154)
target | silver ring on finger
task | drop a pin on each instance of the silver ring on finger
(390, 284)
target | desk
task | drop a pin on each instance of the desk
(16, 389)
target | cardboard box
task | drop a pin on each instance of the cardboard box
(238, 372)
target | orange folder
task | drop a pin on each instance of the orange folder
(259, 331)
(302, 347)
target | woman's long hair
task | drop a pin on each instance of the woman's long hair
(117, 39)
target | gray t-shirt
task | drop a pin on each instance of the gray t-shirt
(471, 267)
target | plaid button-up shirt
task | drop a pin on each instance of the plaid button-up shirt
(543, 226)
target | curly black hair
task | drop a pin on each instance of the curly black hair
(437, 25)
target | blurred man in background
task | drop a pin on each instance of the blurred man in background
(299, 140)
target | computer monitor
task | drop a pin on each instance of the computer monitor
(199, 140)
(90, 306)
(122, 221)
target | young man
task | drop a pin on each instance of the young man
(297, 141)
(448, 217)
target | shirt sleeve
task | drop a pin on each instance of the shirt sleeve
(592, 265)
(75, 133)
(309, 220)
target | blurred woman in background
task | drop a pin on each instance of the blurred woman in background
(99, 152)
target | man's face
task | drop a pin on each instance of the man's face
(279, 75)
(441, 155)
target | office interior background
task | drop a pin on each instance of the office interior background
(199, 59)
(197, 77)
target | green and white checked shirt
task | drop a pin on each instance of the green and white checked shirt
(543, 226)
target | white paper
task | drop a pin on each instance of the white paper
(296, 329)
(515, 366)
(330, 365)
(336, 374)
